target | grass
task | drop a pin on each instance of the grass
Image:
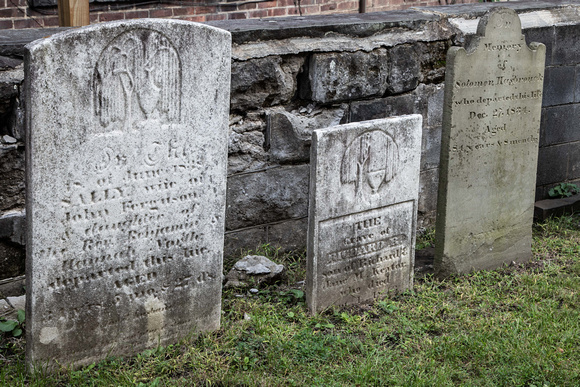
(515, 326)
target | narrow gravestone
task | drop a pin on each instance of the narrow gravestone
(491, 120)
(126, 175)
(364, 185)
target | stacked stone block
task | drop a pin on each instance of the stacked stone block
(559, 157)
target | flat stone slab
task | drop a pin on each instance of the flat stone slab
(364, 187)
(489, 150)
(543, 209)
(126, 177)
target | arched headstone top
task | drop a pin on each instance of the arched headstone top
(500, 23)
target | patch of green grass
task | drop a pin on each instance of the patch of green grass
(515, 326)
(425, 238)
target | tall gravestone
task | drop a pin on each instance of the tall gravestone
(491, 120)
(364, 186)
(126, 176)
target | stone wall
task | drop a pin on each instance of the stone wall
(21, 14)
(293, 75)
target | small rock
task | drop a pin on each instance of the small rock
(17, 302)
(253, 290)
(256, 269)
(253, 269)
(239, 296)
(9, 139)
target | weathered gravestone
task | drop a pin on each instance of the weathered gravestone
(491, 120)
(364, 184)
(126, 175)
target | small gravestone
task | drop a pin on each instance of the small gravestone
(491, 121)
(126, 177)
(364, 184)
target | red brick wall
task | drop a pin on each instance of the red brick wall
(17, 14)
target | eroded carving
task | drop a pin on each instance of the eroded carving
(370, 159)
(137, 77)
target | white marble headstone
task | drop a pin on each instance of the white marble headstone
(126, 177)
(364, 187)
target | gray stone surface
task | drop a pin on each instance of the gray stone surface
(246, 143)
(11, 176)
(431, 148)
(544, 209)
(489, 148)
(12, 42)
(238, 242)
(543, 35)
(560, 124)
(13, 227)
(5, 308)
(434, 95)
(337, 77)
(10, 81)
(253, 270)
(553, 163)
(268, 196)
(363, 210)
(289, 235)
(412, 103)
(427, 207)
(13, 286)
(559, 163)
(11, 259)
(432, 59)
(573, 171)
(126, 175)
(559, 85)
(7, 63)
(357, 25)
(577, 83)
(289, 134)
(404, 69)
(264, 82)
(568, 48)
(286, 140)
(17, 302)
